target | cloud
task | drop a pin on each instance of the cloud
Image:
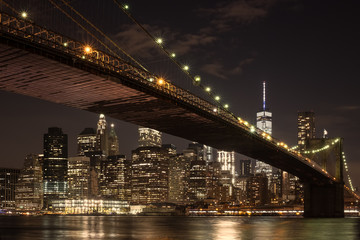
(240, 11)
(215, 69)
(239, 69)
(189, 42)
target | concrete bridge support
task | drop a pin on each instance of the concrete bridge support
(322, 201)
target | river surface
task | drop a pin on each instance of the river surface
(166, 228)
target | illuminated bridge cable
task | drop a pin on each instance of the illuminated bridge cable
(104, 35)
(347, 172)
(80, 25)
(10, 7)
(171, 56)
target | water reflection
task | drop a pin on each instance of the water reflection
(166, 228)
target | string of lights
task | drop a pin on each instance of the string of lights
(172, 56)
(347, 172)
(322, 148)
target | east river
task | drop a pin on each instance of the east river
(166, 228)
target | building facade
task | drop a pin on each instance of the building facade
(306, 128)
(8, 181)
(29, 188)
(55, 165)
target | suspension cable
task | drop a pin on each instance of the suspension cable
(79, 24)
(104, 35)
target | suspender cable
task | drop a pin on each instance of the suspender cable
(79, 24)
(104, 35)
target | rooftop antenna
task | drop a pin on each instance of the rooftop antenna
(264, 96)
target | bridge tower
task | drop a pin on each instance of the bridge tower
(325, 199)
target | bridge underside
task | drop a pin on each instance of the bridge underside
(45, 73)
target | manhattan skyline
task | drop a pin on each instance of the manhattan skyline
(306, 52)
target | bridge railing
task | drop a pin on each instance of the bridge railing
(36, 34)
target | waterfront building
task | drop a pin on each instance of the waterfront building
(115, 178)
(29, 188)
(306, 128)
(55, 165)
(90, 206)
(150, 168)
(79, 177)
(8, 181)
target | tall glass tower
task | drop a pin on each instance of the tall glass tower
(55, 165)
(264, 123)
(102, 136)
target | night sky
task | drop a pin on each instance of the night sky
(306, 51)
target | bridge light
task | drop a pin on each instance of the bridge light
(151, 79)
(24, 14)
(160, 81)
(159, 41)
(87, 49)
(186, 67)
(126, 6)
(252, 129)
(207, 89)
(215, 109)
(173, 55)
(197, 78)
(217, 98)
(65, 44)
(226, 106)
(246, 123)
(83, 57)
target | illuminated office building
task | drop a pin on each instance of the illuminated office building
(149, 137)
(29, 188)
(55, 165)
(113, 142)
(197, 176)
(8, 181)
(79, 177)
(179, 169)
(86, 141)
(115, 178)
(149, 175)
(245, 168)
(213, 176)
(264, 123)
(306, 128)
(257, 190)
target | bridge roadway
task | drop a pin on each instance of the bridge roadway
(39, 63)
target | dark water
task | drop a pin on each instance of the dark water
(108, 227)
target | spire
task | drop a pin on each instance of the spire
(264, 96)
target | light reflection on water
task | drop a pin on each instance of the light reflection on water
(166, 228)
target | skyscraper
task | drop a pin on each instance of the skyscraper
(113, 142)
(179, 170)
(79, 177)
(227, 163)
(8, 180)
(150, 168)
(264, 117)
(306, 128)
(149, 137)
(102, 136)
(29, 189)
(55, 165)
(264, 123)
(86, 141)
